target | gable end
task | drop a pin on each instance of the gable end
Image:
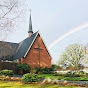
(33, 42)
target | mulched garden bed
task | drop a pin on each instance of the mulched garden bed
(10, 78)
(60, 83)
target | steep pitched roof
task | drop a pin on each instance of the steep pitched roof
(7, 49)
(43, 42)
(14, 51)
(24, 46)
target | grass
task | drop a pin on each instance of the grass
(15, 84)
(63, 78)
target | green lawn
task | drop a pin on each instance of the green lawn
(14, 84)
(63, 78)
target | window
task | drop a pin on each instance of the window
(19, 61)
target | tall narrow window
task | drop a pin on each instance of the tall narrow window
(19, 61)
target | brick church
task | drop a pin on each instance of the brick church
(31, 50)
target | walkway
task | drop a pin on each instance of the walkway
(15, 75)
(73, 81)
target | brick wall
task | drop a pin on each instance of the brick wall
(32, 57)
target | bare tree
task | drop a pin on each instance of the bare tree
(10, 11)
(6, 9)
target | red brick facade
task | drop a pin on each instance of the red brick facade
(33, 56)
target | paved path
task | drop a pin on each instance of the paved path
(73, 81)
(15, 75)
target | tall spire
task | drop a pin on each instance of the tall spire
(30, 31)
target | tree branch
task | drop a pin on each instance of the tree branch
(8, 11)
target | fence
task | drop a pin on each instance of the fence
(8, 65)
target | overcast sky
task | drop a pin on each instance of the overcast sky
(54, 18)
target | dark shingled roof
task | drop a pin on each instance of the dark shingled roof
(7, 49)
(24, 46)
(12, 51)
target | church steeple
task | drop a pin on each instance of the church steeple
(30, 31)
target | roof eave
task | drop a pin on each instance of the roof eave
(30, 45)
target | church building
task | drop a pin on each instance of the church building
(31, 50)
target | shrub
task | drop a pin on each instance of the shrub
(47, 70)
(53, 67)
(6, 72)
(30, 77)
(25, 67)
(19, 66)
(39, 69)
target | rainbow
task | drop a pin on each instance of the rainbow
(67, 34)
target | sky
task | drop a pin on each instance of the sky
(60, 22)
